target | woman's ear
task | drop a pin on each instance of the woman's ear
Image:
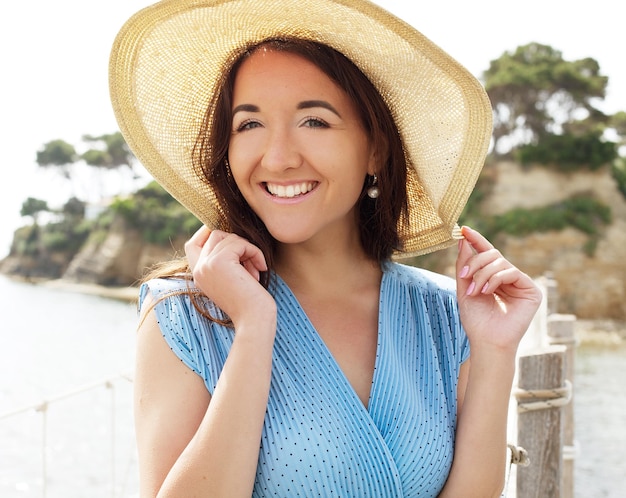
(372, 164)
(379, 154)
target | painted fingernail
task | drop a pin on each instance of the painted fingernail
(471, 287)
(464, 272)
(485, 287)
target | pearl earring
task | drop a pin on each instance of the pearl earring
(373, 191)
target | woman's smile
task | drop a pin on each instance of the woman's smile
(298, 189)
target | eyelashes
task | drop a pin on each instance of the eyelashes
(247, 124)
(313, 122)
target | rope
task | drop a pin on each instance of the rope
(543, 399)
(571, 452)
(564, 341)
(519, 456)
(43, 406)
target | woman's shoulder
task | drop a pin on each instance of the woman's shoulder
(425, 280)
(162, 287)
(168, 292)
(182, 314)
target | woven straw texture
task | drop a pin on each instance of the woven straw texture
(167, 58)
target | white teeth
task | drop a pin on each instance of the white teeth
(289, 191)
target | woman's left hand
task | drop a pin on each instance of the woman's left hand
(497, 301)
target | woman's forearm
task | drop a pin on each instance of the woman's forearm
(479, 464)
(221, 459)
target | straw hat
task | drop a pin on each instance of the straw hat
(168, 57)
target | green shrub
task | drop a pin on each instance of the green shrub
(65, 236)
(584, 213)
(618, 170)
(26, 241)
(569, 152)
(156, 214)
(55, 241)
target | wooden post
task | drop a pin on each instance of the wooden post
(561, 331)
(552, 292)
(540, 397)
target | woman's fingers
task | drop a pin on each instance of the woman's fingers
(207, 246)
(249, 255)
(193, 247)
(476, 239)
(253, 268)
(488, 276)
(227, 269)
(481, 269)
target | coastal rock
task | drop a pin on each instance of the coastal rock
(118, 260)
(590, 286)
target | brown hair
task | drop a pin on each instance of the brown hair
(377, 219)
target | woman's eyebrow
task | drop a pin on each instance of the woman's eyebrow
(308, 104)
(305, 104)
(246, 108)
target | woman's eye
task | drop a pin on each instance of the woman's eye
(248, 125)
(315, 123)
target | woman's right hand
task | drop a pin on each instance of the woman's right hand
(213, 448)
(227, 268)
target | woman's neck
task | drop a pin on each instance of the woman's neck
(328, 268)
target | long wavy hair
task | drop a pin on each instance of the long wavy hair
(377, 218)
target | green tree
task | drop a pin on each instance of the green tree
(618, 123)
(106, 153)
(534, 91)
(111, 151)
(74, 209)
(33, 207)
(58, 154)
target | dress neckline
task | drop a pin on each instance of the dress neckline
(317, 340)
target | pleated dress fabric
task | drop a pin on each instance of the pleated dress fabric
(319, 440)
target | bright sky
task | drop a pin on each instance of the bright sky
(54, 57)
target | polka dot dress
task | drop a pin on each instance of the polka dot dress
(318, 439)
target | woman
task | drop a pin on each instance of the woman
(288, 354)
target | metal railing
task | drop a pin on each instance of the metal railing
(42, 407)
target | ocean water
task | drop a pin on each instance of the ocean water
(56, 342)
(600, 421)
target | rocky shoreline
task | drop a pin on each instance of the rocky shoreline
(128, 294)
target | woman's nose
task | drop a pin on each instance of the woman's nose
(281, 151)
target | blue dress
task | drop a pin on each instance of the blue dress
(318, 438)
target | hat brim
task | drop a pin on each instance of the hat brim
(167, 59)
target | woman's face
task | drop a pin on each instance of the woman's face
(298, 151)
